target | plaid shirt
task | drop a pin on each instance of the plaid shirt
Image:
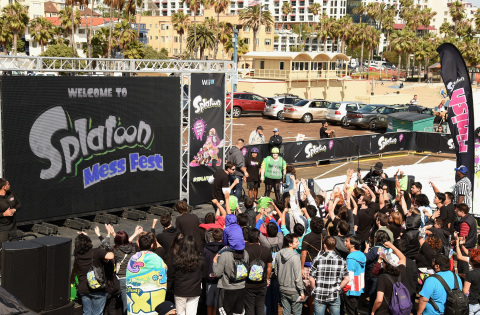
(328, 269)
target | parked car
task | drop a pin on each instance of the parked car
(306, 110)
(247, 102)
(363, 117)
(337, 111)
(275, 105)
(382, 117)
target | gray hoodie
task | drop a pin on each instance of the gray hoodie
(235, 156)
(223, 269)
(272, 242)
(289, 272)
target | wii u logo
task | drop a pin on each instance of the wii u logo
(208, 82)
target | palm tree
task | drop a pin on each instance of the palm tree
(402, 42)
(477, 20)
(69, 23)
(180, 23)
(114, 4)
(314, 8)
(226, 30)
(124, 34)
(6, 35)
(242, 47)
(457, 12)
(42, 31)
(220, 6)
(194, 7)
(250, 17)
(325, 31)
(90, 31)
(134, 50)
(362, 38)
(205, 39)
(389, 22)
(334, 32)
(446, 29)
(287, 8)
(130, 8)
(302, 31)
(16, 16)
(406, 7)
(346, 25)
(361, 9)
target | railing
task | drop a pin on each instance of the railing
(295, 74)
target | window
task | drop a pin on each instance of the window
(302, 3)
(81, 31)
(175, 51)
(268, 42)
(282, 65)
(246, 28)
(150, 25)
(156, 37)
(166, 26)
(79, 46)
(34, 44)
(247, 41)
(81, 7)
(277, 11)
(301, 11)
(163, 27)
(150, 37)
(257, 98)
(268, 29)
(162, 39)
(175, 39)
(156, 25)
(240, 5)
(262, 64)
(258, 42)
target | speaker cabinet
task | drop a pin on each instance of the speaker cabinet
(22, 272)
(390, 183)
(56, 254)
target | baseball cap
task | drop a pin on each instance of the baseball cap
(260, 127)
(254, 150)
(275, 150)
(378, 166)
(462, 169)
(275, 130)
(392, 259)
(233, 201)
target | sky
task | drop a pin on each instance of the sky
(475, 3)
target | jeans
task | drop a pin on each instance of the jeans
(255, 300)
(272, 298)
(186, 305)
(290, 304)
(333, 307)
(474, 309)
(237, 190)
(123, 289)
(94, 303)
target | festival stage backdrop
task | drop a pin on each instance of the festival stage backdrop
(207, 121)
(74, 145)
(460, 111)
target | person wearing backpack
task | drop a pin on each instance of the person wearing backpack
(231, 267)
(472, 283)
(288, 269)
(86, 256)
(434, 298)
(328, 276)
(210, 250)
(260, 269)
(392, 296)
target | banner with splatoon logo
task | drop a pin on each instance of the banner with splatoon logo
(207, 121)
(77, 145)
(389, 142)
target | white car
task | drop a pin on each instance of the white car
(337, 111)
(275, 105)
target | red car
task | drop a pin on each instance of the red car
(246, 102)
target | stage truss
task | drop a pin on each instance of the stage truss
(24, 65)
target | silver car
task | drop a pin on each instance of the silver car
(337, 111)
(274, 105)
(306, 110)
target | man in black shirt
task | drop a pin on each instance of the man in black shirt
(324, 133)
(188, 224)
(275, 140)
(9, 204)
(221, 184)
(253, 163)
(169, 232)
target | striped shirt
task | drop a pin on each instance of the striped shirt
(328, 269)
(463, 188)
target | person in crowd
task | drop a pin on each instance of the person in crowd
(275, 140)
(415, 190)
(142, 268)
(409, 274)
(365, 217)
(256, 136)
(328, 276)
(188, 224)
(93, 300)
(253, 163)
(155, 246)
(231, 298)
(185, 277)
(447, 208)
(440, 129)
(382, 224)
(233, 234)
(272, 172)
(429, 248)
(210, 250)
(414, 100)
(395, 224)
(421, 200)
(165, 238)
(463, 188)
(372, 255)
(437, 121)
(9, 204)
(250, 212)
(441, 108)
(214, 220)
(374, 175)
(342, 231)
(411, 234)
(290, 178)
(434, 290)
(324, 133)
(235, 156)
(467, 229)
(471, 287)
(256, 288)
(356, 262)
(221, 187)
(288, 270)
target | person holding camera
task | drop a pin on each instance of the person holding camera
(374, 176)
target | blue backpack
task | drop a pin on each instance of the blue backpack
(400, 304)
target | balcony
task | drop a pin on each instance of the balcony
(294, 75)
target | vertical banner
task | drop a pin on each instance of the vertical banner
(460, 112)
(476, 179)
(207, 124)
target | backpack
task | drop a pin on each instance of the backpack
(240, 271)
(457, 301)
(274, 251)
(400, 304)
(209, 236)
(96, 277)
(257, 269)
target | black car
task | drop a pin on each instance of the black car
(382, 117)
(363, 117)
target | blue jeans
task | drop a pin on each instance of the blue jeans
(237, 190)
(333, 307)
(290, 304)
(94, 303)
(272, 298)
(123, 289)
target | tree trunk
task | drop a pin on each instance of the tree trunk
(408, 65)
(215, 51)
(15, 44)
(73, 30)
(254, 39)
(140, 19)
(283, 25)
(90, 30)
(42, 48)
(419, 72)
(195, 36)
(399, 64)
(361, 57)
(110, 33)
(181, 41)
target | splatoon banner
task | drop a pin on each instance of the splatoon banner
(312, 150)
(389, 142)
(76, 145)
(460, 112)
(207, 121)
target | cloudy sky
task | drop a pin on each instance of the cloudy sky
(475, 3)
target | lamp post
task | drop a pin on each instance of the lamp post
(235, 57)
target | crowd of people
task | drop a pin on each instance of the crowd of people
(388, 251)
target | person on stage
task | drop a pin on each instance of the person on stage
(9, 204)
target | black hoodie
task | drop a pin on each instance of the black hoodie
(122, 255)
(410, 235)
(209, 251)
(166, 238)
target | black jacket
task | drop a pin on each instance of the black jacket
(410, 235)
(471, 239)
(166, 238)
(184, 283)
(209, 252)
